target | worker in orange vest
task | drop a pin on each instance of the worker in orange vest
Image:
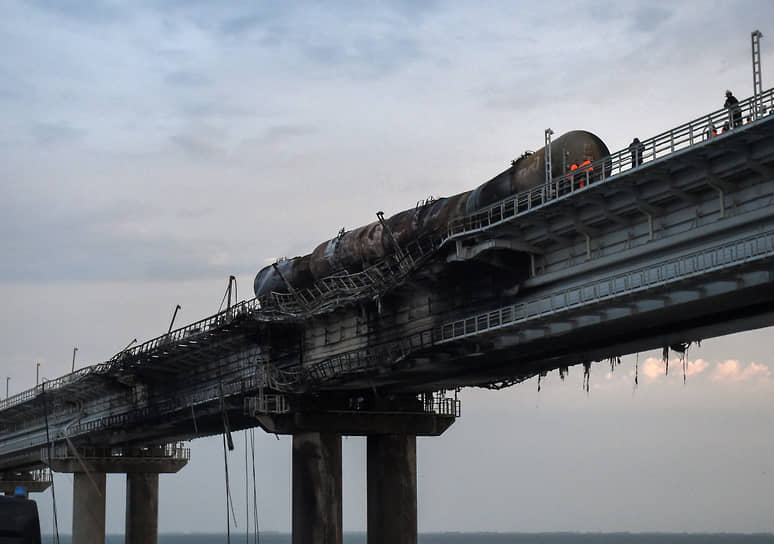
(573, 168)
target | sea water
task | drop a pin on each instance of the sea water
(473, 538)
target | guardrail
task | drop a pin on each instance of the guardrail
(366, 359)
(702, 129)
(176, 451)
(696, 264)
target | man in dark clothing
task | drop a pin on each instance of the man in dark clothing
(732, 105)
(636, 148)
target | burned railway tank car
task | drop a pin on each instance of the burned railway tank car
(357, 249)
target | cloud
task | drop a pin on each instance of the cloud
(196, 147)
(187, 79)
(733, 371)
(654, 368)
(649, 18)
(729, 371)
(85, 11)
(54, 133)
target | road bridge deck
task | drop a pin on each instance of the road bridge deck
(674, 249)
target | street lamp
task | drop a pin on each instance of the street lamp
(7, 382)
(37, 374)
(73, 368)
(174, 315)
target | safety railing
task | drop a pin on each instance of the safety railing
(175, 451)
(51, 385)
(266, 403)
(714, 125)
(341, 288)
(367, 359)
(438, 403)
(659, 275)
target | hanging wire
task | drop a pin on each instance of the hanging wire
(228, 494)
(257, 538)
(637, 370)
(247, 496)
(48, 444)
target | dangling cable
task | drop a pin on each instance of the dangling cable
(247, 496)
(228, 521)
(255, 489)
(48, 444)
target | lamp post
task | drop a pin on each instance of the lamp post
(174, 315)
(37, 374)
(7, 385)
(73, 368)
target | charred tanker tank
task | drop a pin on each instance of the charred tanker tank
(357, 249)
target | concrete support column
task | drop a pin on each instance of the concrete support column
(142, 508)
(317, 513)
(89, 508)
(392, 488)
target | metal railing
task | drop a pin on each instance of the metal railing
(440, 404)
(50, 385)
(339, 289)
(175, 451)
(266, 403)
(367, 359)
(675, 270)
(687, 135)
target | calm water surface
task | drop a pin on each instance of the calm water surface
(476, 538)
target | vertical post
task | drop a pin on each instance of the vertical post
(392, 488)
(73, 367)
(755, 38)
(89, 508)
(174, 315)
(142, 507)
(549, 132)
(317, 514)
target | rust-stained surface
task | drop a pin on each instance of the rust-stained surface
(357, 249)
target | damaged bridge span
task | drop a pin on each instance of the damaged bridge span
(674, 247)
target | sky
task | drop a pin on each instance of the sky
(148, 150)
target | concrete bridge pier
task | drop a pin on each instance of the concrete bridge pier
(392, 488)
(142, 466)
(89, 507)
(391, 428)
(317, 513)
(142, 507)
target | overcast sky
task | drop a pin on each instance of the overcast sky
(150, 149)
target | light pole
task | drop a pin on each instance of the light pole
(37, 374)
(73, 368)
(7, 385)
(174, 315)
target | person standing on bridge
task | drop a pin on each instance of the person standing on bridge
(586, 170)
(636, 148)
(732, 105)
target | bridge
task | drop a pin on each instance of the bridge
(653, 248)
